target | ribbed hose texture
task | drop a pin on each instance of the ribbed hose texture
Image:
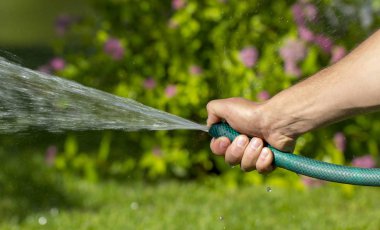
(309, 167)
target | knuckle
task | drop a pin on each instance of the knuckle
(210, 105)
(235, 99)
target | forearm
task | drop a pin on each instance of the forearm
(350, 87)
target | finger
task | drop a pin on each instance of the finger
(234, 152)
(264, 163)
(216, 111)
(251, 154)
(219, 146)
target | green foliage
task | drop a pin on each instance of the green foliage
(165, 46)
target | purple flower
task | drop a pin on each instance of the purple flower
(63, 23)
(263, 95)
(293, 51)
(157, 151)
(324, 42)
(114, 48)
(304, 11)
(170, 91)
(340, 141)
(337, 53)
(178, 4)
(248, 56)
(291, 68)
(45, 69)
(310, 12)
(50, 154)
(312, 182)
(365, 161)
(195, 70)
(149, 83)
(298, 13)
(305, 34)
(57, 64)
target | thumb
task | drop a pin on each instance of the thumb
(217, 112)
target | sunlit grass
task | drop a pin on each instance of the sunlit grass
(203, 205)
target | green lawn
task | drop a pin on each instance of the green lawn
(197, 205)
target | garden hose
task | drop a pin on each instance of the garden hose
(310, 167)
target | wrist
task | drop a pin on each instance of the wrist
(291, 115)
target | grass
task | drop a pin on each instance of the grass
(200, 205)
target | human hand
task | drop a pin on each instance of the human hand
(252, 119)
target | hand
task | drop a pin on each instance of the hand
(250, 154)
(252, 119)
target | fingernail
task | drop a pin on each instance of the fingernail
(241, 141)
(255, 143)
(264, 154)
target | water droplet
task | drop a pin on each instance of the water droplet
(134, 205)
(221, 218)
(269, 189)
(42, 220)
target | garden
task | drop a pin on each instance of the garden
(176, 56)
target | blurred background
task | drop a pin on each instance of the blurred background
(175, 56)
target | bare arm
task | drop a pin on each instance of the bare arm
(347, 88)
(350, 87)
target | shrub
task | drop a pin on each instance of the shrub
(177, 55)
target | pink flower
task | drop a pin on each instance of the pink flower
(170, 91)
(312, 182)
(57, 64)
(310, 12)
(157, 151)
(304, 11)
(149, 83)
(114, 48)
(50, 154)
(365, 161)
(263, 95)
(178, 4)
(195, 70)
(324, 42)
(337, 53)
(248, 56)
(45, 69)
(340, 141)
(298, 14)
(305, 34)
(291, 68)
(63, 23)
(293, 51)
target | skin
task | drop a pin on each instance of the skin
(347, 88)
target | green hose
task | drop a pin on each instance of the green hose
(309, 167)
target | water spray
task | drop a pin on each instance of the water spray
(33, 100)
